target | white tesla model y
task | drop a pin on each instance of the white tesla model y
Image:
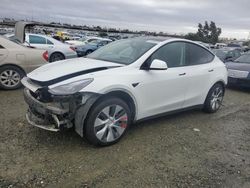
(126, 81)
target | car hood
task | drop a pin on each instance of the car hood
(238, 66)
(66, 69)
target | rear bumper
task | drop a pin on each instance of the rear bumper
(46, 115)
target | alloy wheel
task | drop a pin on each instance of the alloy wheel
(10, 78)
(110, 123)
(217, 98)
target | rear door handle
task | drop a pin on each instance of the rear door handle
(182, 74)
(211, 70)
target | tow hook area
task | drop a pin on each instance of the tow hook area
(48, 116)
(50, 123)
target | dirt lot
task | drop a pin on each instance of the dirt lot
(164, 152)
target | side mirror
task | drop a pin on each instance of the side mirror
(158, 65)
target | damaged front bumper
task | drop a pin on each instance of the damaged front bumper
(52, 116)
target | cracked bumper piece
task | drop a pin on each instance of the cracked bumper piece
(46, 115)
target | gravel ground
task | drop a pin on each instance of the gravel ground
(190, 149)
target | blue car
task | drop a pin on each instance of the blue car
(90, 47)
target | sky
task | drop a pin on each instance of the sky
(171, 16)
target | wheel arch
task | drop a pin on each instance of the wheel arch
(222, 82)
(14, 65)
(80, 119)
(127, 97)
(59, 52)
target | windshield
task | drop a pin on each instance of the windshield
(243, 59)
(124, 51)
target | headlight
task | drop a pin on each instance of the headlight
(70, 88)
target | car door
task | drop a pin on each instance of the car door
(199, 73)
(3, 53)
(49, 43)
(163, 90)
(38, 42)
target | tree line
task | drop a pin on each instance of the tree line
(208, 33)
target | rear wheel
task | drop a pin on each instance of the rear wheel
(214, 98)
(56, 57)
(107, 122)
(10, 77)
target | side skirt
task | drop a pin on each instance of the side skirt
(170, 113)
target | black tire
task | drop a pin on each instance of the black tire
(90, 132)
(57, 56)
(7, 82)
(88, 52)
(209, 102)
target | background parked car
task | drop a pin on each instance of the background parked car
(220, 45)
(58, 50)
(227, 54)
(239, 71)
(84, 40)
(91, 47)
(16, 60)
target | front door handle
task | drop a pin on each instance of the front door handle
(211, 70)
(182, 74)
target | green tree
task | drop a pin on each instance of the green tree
(103, 34)
(208, 33)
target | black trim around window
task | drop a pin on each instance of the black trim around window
(146, 64)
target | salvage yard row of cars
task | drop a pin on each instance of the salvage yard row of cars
(118, 83)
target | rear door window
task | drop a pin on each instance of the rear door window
(196, 55)
(36, 39)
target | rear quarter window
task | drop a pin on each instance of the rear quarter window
(196, 55)
(49, 42)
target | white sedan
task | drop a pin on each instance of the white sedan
(57, 50)
(124, 82)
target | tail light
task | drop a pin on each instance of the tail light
(46, 56)
(72, 48)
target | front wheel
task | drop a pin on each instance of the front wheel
(107, 122)
(214, 98)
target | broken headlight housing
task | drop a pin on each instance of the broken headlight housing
(70, 88)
